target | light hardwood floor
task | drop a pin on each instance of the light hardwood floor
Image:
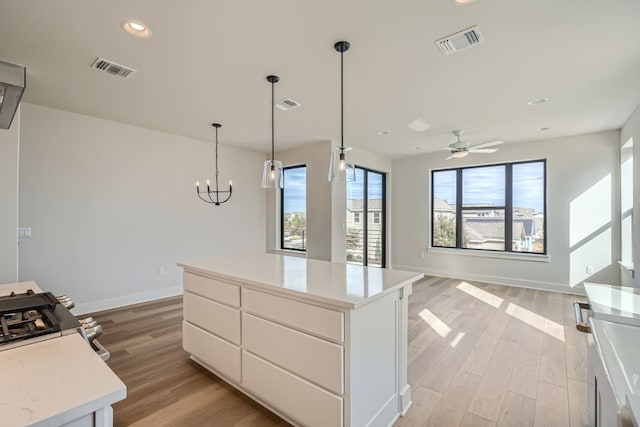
(479, 355)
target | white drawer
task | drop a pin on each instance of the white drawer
(216, 318)
(309, 318)
(222, 292)
(303, 401)
(217, 353)
(314, 359)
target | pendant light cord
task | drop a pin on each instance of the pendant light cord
(216, 163)
(272, 120)
(341, 102)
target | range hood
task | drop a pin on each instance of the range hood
(13, 79)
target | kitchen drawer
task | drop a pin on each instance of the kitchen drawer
(216, 318)
(314, 359)
(222, 292)
(309, 318)
(303, 401)
(214, 352)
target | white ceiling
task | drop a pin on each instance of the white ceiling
(207, 61)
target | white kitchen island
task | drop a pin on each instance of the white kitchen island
(319, 343)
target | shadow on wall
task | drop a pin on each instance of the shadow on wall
(590, 235)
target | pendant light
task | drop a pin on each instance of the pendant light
(272, 171)
(339, 169)
(214, 195)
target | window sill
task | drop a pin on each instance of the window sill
(299, 254)
(487, 254)
(626, 265)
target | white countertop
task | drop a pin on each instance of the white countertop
(619, 346)
(614, 303)
(53, 382)
(344, 285)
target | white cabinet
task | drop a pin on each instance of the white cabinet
(334, 355)
(603, 410)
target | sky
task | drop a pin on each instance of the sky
(486, 185)
(295, 184)
(295, 187)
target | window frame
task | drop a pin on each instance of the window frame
(508, 208)
(282, 243)
(358, 216)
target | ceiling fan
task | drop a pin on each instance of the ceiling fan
(462, 149)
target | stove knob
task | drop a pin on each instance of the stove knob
(66, 302)
(93, 333)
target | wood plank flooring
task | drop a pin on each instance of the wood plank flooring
(479, 355)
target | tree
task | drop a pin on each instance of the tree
(295, 225)
(353, 243)
(444, 231)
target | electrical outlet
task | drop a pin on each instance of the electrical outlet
(24, 232)
(589, 269)
(161, 271)
(422, 254)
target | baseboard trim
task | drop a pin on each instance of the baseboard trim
(508, 281)
(120, 301)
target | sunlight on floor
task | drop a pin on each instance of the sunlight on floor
(541, 323)
(480, 294)
(457, 339)
(436, 324)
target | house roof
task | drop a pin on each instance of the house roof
(356, 205)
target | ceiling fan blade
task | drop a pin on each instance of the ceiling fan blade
(446, 148)
(483, 150)
(488, 144)
(450, 157)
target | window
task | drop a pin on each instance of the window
(484, 207)
(293, 210)
(365, 239)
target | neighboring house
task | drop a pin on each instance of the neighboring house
(484, 228)
(355, 226)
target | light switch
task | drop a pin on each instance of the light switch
(24, 232)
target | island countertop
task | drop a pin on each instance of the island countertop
(340, 284)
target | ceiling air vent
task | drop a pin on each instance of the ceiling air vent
(459, 41)
(113, 68)
(287, 104)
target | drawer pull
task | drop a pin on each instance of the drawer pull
(581, 325)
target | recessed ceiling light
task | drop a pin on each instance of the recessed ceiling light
(136, 28)
(383, 132)
(416, 148)
(419, 125)
(463, 2)
(543, 129)
(537, 101)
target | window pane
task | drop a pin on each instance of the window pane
(443, 209)
(294, 208)
(483, 186)
(483, 231)
(374, 213)
(355, 232)
(528, 207)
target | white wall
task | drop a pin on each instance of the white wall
(632, 130)
(9, 147)
(583, 211)
(110, 204)
(326, 201)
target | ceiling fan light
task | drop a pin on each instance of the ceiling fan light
(459, 154)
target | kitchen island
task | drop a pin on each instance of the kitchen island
(56, 382)
(319, 343)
